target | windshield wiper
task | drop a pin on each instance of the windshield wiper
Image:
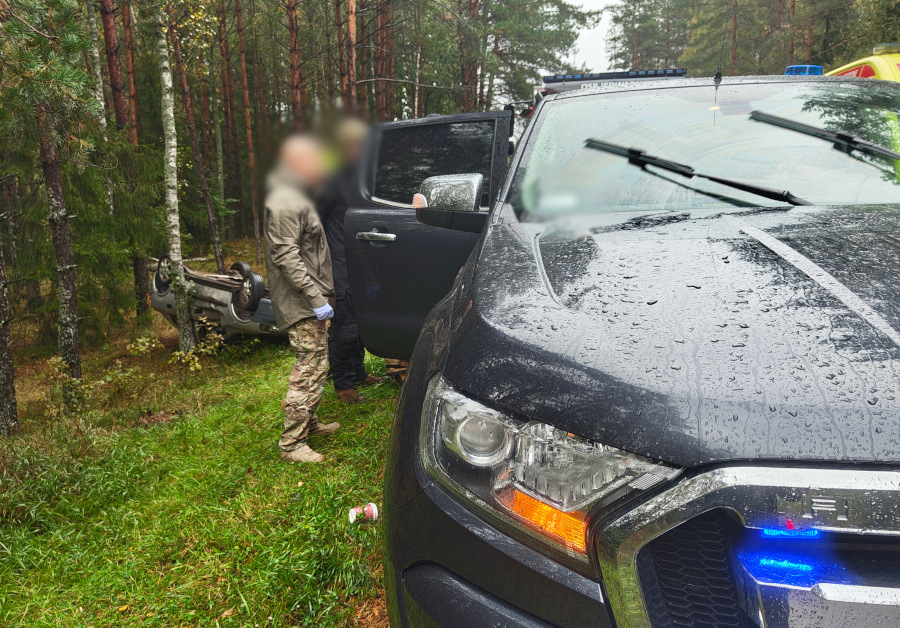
(842, 140)
(641, 159)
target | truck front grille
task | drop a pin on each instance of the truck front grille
(749, 546)
(687, 577)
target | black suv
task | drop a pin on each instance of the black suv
(654, 369)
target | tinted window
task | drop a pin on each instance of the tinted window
(409, 155)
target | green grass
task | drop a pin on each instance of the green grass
(193, 521)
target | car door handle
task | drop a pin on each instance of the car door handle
(376, 236)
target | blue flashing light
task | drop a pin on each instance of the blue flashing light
(777, 533)
(788, 569)
(785, 565)
(804, 70)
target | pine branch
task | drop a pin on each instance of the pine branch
(30, 27)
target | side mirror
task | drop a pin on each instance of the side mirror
(451, 192)
(451, 201)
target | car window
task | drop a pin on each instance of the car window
(711, 131)
(408, 155)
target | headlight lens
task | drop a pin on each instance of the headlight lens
(535, 477)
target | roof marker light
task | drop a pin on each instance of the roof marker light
(886, 49)
(804, 70)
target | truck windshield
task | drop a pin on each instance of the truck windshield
(713, 134)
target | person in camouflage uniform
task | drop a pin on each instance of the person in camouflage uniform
(298, 264)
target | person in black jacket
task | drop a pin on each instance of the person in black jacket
(346, 352)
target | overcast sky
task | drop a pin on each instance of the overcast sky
(591, 46)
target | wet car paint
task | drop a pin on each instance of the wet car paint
(685, 338)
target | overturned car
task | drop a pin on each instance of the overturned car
(234, 304)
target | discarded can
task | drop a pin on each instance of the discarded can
(368, 512)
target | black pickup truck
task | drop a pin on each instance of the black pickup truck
(654, 357)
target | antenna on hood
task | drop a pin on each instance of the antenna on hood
(717, 79)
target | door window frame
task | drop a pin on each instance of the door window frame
(499, 152)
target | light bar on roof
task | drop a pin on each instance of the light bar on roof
(612, 76)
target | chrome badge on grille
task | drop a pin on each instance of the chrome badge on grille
(814, 508)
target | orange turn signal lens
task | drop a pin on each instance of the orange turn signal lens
(566, 528)
(419, 201)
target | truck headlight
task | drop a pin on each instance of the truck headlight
(533, 477)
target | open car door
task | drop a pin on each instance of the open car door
(400, 268)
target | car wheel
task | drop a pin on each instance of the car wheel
(162, 278)
(247, 297)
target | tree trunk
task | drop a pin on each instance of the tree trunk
(237, 185)
(186, 341)
(352, 105)
(809, 29)
(734, 35)
(205, 115)
(296, 112)
(200, 167)
(98, 91)
(363, 93)
(138, 262)
(9, 414)
(220, 157)
(489, 101)
(380, 65)
(141, 269)
(133, 109)
(107, 13)
(251, 158)
(792, 7)
(482, 61)
(342, 68)
(468, 45)
(420, 79)
(304, 102)
(97, 70)
(107, 94)
(391, 58)
(262, 109)
(481, 87)
(67, 280)
(276, 80)
(329, 61)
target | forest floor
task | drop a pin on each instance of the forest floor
(163, 502)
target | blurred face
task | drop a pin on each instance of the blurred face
(304, 155)
(351, 150)
(350, 137)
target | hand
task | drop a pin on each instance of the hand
(372, 292)
(324, 313)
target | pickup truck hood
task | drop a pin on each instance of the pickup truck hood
(695, 338)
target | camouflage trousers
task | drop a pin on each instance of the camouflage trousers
(309, 340)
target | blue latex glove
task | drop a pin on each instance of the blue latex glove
(324, 313)
(372, 292)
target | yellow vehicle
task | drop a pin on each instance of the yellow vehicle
(884, 64)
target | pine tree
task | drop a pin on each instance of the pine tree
(45, 86)
(251, 156)
(114, 65)
(9, 414)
